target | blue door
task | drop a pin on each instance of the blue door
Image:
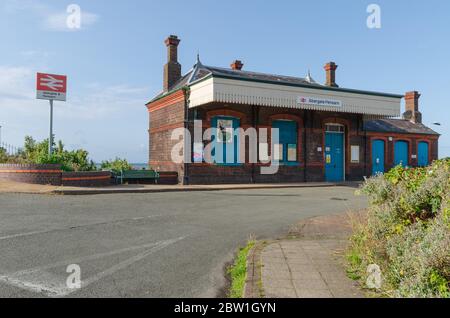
(422, 156)
(401, 153)
(377, 157)
(226, 145)
(334, 157)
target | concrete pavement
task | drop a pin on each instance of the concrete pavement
(15, 187)
(145, 245)
(309, 264)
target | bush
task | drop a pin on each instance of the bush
(407, 232)
(35, 152)
(116, 165)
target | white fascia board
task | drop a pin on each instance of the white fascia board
(266, 94)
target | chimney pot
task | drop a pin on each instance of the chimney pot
(412, 112)
(330, 69)
(237, 65)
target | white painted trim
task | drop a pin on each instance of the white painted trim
(265, 94)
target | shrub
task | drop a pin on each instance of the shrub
(37, 153)
(407, 231)
(116, 165)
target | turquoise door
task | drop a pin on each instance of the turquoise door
(334, 157)
(401, 153)
(225, 147)
(422, 155)
(377, 157)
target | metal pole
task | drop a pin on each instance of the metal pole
(0, 136)
(50, 140)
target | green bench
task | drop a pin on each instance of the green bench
(137, 175)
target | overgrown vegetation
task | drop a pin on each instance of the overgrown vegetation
(34, 152)
(406, 232)
(238, 272)
(116, 165)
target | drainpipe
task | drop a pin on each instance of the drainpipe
(305, 155)
(187, 141)
(361, 120)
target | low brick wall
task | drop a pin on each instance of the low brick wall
(52, 174)
(87, 179)
(169, 178)
(30, 173)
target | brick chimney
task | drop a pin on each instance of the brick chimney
(237, 65)
(172, 70)
(330, 68)
(412, 112)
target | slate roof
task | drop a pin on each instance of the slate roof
(397, 126)
(200, 71)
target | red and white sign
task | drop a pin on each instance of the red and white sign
(51, 87)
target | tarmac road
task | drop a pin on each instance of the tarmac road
(144, 245)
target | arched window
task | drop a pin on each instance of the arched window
(285, 150)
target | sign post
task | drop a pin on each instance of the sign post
(51, 87)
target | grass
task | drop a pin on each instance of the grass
(238, 271)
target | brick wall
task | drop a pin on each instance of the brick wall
(165, 115)
(311, 136)
(413, 141)
(311, 143)
(52, 175)
(30, 173)
(87, 179)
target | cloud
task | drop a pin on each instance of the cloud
(51, 18)
(59, 21)
(97, 117)
(15, 82)
(17, 93)
(35, 54)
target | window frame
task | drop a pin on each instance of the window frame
(287, 141)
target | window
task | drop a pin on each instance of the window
(285, 151)
(336, 128)
(225, 140)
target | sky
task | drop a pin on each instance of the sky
(114, 61)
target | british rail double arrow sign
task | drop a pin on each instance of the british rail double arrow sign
(51, 87)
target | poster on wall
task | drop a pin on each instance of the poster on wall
(292, 152)
(198, 152)
(225, 131)
(355, 154)
(277, 152)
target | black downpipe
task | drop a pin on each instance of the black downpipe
(186, 92)
(305, 148)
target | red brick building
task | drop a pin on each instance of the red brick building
(325, 132)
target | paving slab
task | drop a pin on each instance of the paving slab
(310, 263)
